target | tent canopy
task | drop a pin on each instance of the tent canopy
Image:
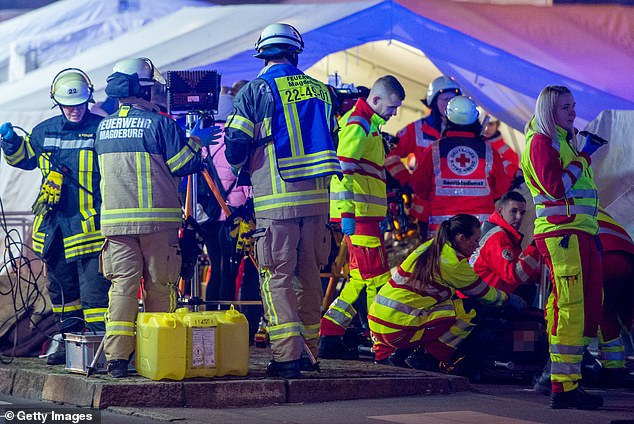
(502, 55)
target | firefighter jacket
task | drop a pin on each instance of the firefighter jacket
(142, 154)
(277, 127)
(499, 259)
(460, 173)
(57, 144)
(612, 235)
(562, 185)
(398, 306)
(361, 193)
(510, 160)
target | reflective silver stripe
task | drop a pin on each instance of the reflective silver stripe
(559, 349)
(438, 219)
(612, 343)
(565, 368)
(58, 143)
(343, 305)
(366, 168)
(489, 234)
(519, 271)
(398, 306)
(341, 195)
(606, 355)
(370, 200)
(563, 210)
(607, 231)
(338, 317)
(399, 279)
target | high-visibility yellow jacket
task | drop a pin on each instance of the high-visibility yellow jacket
(361, 193)
(398, 306)
(562, 184)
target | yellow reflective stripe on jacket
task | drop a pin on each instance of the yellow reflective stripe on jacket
(85, 177)
(144, 185)
(183, 156)
(243, 124)
(141, 215)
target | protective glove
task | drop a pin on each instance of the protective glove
(6, 132)
(383, 225)
(208, 135)
(516, 303)
(348, 226)
(50, 193)
(243, 233)
(591, 145)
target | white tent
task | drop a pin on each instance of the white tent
(501, 55)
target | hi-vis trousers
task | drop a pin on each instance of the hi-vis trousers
(125, 260)
(574, 305)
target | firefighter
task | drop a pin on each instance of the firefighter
(561, 181)
(66, 225)
(358, 202)
(142, 154)
(282, 132)
(417, 136)
(415, 320)
(460, 173)
(499, 258)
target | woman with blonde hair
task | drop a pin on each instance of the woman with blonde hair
(560, 179)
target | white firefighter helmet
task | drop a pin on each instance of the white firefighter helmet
(462, 110)
(143, 67)
(280, 35)
(71, 87)
(440, 85)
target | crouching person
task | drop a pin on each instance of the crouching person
(416, 320)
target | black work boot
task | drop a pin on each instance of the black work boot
(421, 360)
(284, 369)
(576, 398)
(397, 358)
(332, 347)
(542, 382)
(117, 368)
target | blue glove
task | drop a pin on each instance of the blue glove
(591, 145)
(383, 225)
(516, 303)
(6, 131)
(348, 225)
(207, 136)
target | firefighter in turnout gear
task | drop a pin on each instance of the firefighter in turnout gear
(561, 181)
(358, 202)
(142, 155)
(66, 226)
(416, 320)
(282, 131)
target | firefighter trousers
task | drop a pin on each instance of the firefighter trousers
(290, 253)
(78, 291)
(125, 261)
